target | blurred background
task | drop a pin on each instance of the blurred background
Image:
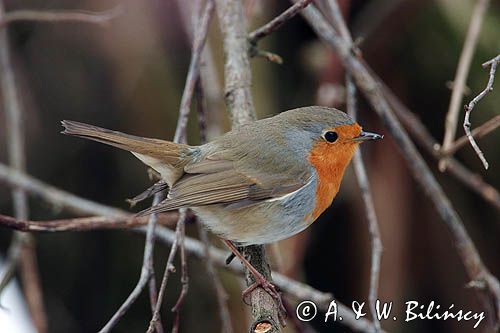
(129, 76)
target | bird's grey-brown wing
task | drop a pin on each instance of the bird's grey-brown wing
(215, 180)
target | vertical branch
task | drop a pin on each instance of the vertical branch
(360, 171)
(373, 227)
(461, 75)
(237, 74)
(22, 248)
(240, 105)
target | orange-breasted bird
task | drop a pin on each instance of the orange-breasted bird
(259, 183)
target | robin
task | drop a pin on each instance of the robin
(259, 183)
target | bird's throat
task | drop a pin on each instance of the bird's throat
(330, 166)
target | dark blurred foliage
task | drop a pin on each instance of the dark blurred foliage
(129, 76)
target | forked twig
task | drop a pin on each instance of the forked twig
(461, 75)
(477, 133)
(493, 63)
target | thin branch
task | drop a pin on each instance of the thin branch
(295, 289)
(200, 37)
(86, 223)
(190, 24)
(102, 17)
(360, 171)
(221, 294)
(469, 107)
(169, 268)
(425, 139)
(57, 197)
(372, 90)
(461, 75)
(238, 98)
(477, 133)
(184, 281)
(373, 225)
(22, 250)
(277, 22)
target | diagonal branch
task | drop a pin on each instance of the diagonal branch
(277, 22)
(461, 75)
(476, 271)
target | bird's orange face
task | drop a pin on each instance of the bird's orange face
(330, 156)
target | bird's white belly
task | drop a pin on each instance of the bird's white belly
(264, 222)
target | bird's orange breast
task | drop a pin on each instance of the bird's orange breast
(330, 162)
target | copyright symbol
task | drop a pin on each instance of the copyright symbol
(306, 311)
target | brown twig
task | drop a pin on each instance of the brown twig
(461, 75)
(102, 17)
(295, 289)
(372, 90)
(23, 247)
(239, 102)
(469, 107)
(86, 223)
(277, 22)
(360, 171)
(477, 133)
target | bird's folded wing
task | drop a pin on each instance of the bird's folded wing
(217, 182)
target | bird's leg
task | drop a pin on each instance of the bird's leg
(260, 280)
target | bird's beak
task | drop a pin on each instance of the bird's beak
(365, 136)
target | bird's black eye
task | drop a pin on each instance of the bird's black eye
(331, 136)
